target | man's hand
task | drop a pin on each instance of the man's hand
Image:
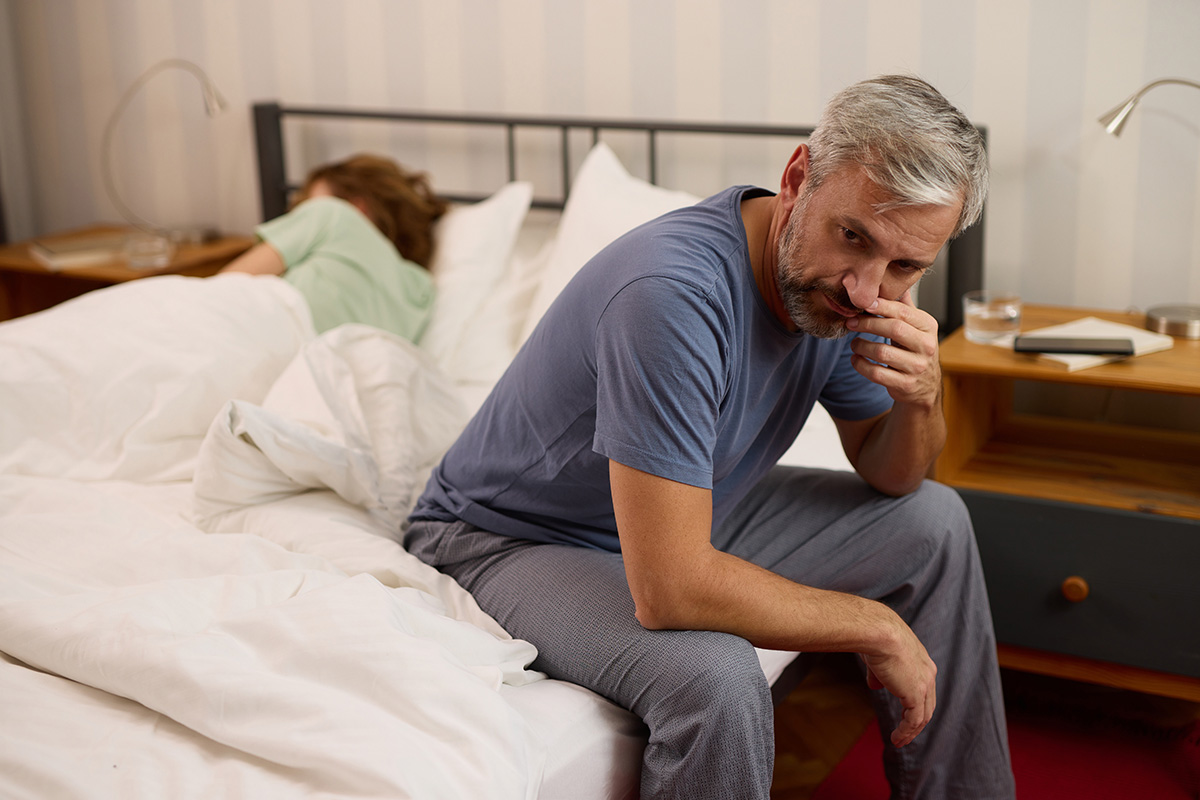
(912, 374)
(910, 675)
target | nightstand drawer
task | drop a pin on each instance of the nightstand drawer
(1140, 574)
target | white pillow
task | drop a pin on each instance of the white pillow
(605, 202)
(474, 244)
(495, 332)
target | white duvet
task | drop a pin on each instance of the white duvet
(256, 632)
(201, 593)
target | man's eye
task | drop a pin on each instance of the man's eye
(850, 235)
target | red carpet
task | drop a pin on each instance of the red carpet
(1059, 756)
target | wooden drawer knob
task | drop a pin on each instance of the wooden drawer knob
(1075, 589)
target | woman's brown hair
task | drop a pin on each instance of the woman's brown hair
(402, 204)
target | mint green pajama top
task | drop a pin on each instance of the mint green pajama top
(347, 270)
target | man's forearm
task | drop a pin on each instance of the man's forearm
(901, 448)
(897, 453)
(729, 594)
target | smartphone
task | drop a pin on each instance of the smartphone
(1072, 344)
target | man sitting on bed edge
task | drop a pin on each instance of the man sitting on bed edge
(616, 500)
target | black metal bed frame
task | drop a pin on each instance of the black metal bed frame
(964, 255)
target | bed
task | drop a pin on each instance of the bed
(201, 594)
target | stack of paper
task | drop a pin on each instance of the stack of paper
(1144, 341)
(69, 252)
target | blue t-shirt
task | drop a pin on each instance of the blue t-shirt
(660, 354)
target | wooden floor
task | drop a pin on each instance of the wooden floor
(817, 725)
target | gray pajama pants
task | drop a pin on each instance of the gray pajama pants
(702, 694)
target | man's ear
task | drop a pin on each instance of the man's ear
(794, 176)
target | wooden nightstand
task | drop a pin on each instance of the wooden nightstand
(27, 286)
(1089, 530)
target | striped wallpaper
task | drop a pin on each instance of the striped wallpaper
(1075, 216)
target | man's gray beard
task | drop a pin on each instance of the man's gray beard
(798, 299)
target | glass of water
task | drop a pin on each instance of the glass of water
(991, 316)
(147, 251)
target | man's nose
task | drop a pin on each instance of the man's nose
(863, 285)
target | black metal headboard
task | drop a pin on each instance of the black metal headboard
(964, 255)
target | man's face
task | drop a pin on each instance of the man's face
(838, 254)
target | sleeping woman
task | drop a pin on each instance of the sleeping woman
(357, 243)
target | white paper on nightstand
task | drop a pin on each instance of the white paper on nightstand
(1144, 341)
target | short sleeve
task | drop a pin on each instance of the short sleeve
(348, 271)
(660, 378)
(847, 394)
(298, 233)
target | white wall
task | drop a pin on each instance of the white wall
(1075, 216)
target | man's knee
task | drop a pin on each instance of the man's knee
(711, 724)
(932, 549)
(715, 676)
(945, 503)
(936, 520)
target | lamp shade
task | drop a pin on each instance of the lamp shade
(1114, 119)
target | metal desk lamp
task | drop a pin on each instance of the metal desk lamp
(1177, 320)
(214, 104)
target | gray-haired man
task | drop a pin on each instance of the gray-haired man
(616, 500)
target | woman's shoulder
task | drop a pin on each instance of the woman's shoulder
(345, 226)
(328, 206)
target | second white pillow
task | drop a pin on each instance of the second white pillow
(474, 246)
(605, 202)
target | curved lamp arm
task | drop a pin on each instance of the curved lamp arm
(1114, 120)
(214, 104)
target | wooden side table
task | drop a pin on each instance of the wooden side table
(27, 286)
(1089, 530)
